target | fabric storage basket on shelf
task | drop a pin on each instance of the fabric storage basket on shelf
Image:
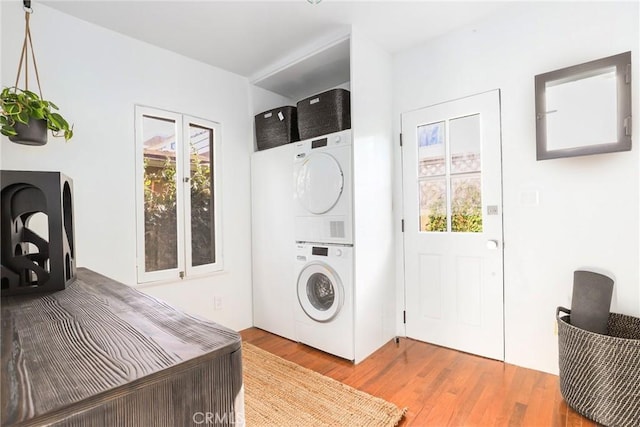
(324, 113)
(276, 127)
(600, 374)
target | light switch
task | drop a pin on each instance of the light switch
(529, 198)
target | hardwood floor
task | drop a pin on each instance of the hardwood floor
(440, 387)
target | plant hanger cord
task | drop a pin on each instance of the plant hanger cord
(24, 57)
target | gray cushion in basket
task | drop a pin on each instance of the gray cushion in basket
(591, 301)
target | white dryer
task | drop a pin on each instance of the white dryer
(324, 313)
(323, 189)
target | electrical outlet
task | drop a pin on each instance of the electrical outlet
(217, 303)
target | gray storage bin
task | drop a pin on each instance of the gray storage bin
(324, 113)
(276, 127)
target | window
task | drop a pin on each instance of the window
(177, 179)
(450, 191)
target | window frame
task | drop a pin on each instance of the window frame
(184, 268)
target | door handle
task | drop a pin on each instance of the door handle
(492, 244)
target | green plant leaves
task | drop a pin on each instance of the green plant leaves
(56, 122)
(30, 94)
(11, 108)
(8, 131)
(37, 114)
(22, 117)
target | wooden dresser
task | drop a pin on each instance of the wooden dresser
(100, 353)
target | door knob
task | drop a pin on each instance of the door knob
(492, 244)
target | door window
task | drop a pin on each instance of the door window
(449, 175)
(432, 177)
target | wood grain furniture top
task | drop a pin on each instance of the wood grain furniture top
(102, 353)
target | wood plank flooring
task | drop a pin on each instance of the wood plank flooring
(440, 387)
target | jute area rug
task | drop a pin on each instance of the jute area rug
(282, 393)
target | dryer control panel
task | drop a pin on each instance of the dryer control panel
(303, 148)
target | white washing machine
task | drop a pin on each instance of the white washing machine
(324, 304)
(322, 189)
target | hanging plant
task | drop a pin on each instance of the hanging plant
(23, 110)
(26, 117)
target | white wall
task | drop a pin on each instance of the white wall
(372, 178)
(588, 210)
(96, 76)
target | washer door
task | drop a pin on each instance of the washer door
(319, 183)
(320, 292)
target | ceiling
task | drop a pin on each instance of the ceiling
(252, 37)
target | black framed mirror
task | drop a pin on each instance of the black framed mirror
(584, 109)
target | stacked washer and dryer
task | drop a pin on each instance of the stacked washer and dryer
(323, 263)
(323, 228)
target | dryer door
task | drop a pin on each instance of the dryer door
(320, 292)
(319, 183)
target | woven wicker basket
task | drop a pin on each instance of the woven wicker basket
(324, 113)
(276, 127)
(600, 374)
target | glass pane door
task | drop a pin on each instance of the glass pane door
(432, 177)
(202, 201)
(465, 181)
(160, 185)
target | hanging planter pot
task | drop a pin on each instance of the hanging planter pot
(25, 116)
(33, 133)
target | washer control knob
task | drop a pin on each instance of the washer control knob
(338, 252)
(338, 139)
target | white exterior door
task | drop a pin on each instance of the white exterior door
(452, 190)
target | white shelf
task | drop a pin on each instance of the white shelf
(314, 73)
